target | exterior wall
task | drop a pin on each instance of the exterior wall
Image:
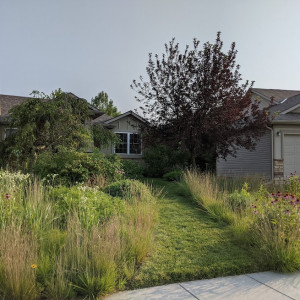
(248, 162)
(279, 132)
(127, 124)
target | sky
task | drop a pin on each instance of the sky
(89, 46)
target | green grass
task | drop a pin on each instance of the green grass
(189, 244)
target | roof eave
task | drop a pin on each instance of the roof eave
(286, 122)
(130, 112)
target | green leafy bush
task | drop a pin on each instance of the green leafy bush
(239, 200)
(69, 167)
(161, 159)
(129, 189)
(91, 205)
(173, 176)
(132, 169)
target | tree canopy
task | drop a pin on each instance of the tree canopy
(45, 123)
(102, 102)
(194, 99)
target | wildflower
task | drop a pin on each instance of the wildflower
(254, 206)
(287, 211)
(255, 212)
(7, 195)
(33, 266)
(272, 202)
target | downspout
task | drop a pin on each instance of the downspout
(272, 151)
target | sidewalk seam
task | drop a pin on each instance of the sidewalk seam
(188, 291)
(270, 287)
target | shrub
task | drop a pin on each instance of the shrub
(92, 206)
(129, 189)
(69, 167)
(240, 200)
(173, 176)
(132, 169)
(161, 159)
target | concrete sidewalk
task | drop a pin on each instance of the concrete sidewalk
(256, 286)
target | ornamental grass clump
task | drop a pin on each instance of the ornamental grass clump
(204, 190)
(276, 229)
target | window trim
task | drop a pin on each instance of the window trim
(8, 128)
(128, 143)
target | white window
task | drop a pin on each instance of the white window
(10, 131)
(130, 143)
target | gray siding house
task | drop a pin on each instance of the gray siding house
(277, 154)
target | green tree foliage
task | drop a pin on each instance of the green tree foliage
(46, 123)
(102, 102)
(103, 137)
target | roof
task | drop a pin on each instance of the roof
(7, 102)
(106, 121)
(286, 104)
(101, 119)
(130, 112)
(278, 95)
(283, 111)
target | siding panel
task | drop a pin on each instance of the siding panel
(248, 162)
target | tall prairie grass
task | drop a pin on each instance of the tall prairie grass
(206, 192)
(267, 224)
(60, 243)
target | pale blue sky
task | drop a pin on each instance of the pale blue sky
(86, 46)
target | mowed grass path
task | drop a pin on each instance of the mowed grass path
(189, 245)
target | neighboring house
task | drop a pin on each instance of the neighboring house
(277, 153)
(128, 127)
(6, 103)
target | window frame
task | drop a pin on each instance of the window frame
(128, 143)
(8, 128)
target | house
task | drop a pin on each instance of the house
(277, 153)
(127, 126)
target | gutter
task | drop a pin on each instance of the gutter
(288, 122)
(272, 151)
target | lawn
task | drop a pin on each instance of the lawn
(189, 244)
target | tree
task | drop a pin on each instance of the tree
(46, 123)
(194, 100)
(107, 106)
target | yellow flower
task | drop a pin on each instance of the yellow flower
(33, 266)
